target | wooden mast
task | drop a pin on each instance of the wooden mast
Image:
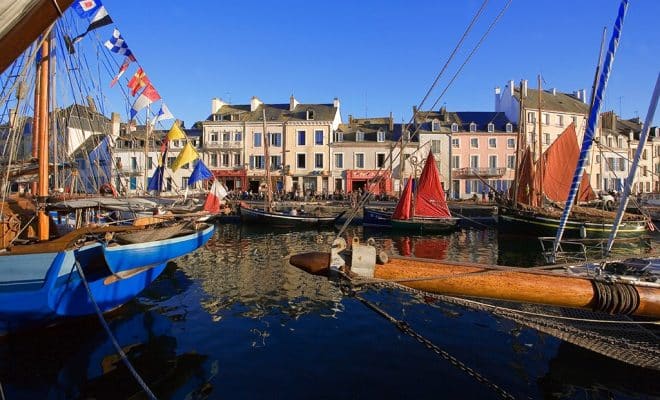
(540, 159)
(521, 123)
(268, 198)
(41, 138)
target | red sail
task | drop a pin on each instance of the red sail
(402, 210)
(430, 200)
(560, 160)
(526, 182)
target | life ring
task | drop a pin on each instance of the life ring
(107, 188)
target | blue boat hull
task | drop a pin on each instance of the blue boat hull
(376, 218)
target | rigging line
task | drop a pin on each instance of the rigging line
(112, 338)
(474, 50)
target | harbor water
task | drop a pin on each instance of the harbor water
(234, 320)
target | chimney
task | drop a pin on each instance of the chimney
(216, 105)
(391, 126)
(510, 86)
(91, 103)
(578, 94)
(335, 103)
(554, 91)
(292, 103)
(584, 96)
(350, 119)
(524, 88)
(255, 103)
(116, 124)
(498, 91)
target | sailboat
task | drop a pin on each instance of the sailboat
(45, 276)
(524, 213)
(268, 216)
(425, 210)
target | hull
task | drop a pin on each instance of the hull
(263, 218)
(127, 257)
(376, 218)
(425, 224)
(531, 223)
(38, 289)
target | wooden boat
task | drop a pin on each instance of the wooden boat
(264, 218)
(52, 275)
(427, 209)
(376, 218)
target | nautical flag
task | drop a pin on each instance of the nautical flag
(187, 155)
(138, 81)
(217, 193)
(163, 114)
(156, 180)
(122, 69)
(200, 172)
(117, 44)
(101, 18)
(175, 132)
(148, 96)
(86, 8)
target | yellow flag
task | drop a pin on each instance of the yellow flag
(175, 133)
(187, 155)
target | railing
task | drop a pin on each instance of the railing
(223, 145)
(482, 172)
(130, 171)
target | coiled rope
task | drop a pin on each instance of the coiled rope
(121, 353)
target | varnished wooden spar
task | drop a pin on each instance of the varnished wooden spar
(482, 281)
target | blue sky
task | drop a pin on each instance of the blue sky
(381, 57)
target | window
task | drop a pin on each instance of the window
(301, 138)
(310, 115)
(301, 161)
(184, 182)
(380, 136)
(275, 162)
(492, 143)
(644, 154)
(474, 143)
(491, 127)
(574, 120)
(455, 161)
(318, 160)
(455, 143)
(318, 137)
(226, 136)
(492, 161)
(474, 161)
(132, 183)
(276, 139)
(620, 142)
(175, 143)
(473, 127)
(511, 162)
(560, 120)
(509, 127)
(237, 159)
(257, 162)
(133, 163)
(359, 136)
(170, 161)
(511, 143)
(380, 160)
(256, 139)
(546, 118)
(359, 160)
(531, 117)
(214, 136)
(436, 146)
(547, 138)
(454, 127)
(339, 160)
(436, 126)
(610, 141)
(225, 160)
(150, 162)
(238, 136)
(214, 160)
(339, 136)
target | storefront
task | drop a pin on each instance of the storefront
(374, 181)
(232, 179)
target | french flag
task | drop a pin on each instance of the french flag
(217, 193)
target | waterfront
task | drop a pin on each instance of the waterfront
(234, 320)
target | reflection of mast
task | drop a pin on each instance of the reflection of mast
(268, 196)
(41, 137)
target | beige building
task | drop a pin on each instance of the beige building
(298, 135)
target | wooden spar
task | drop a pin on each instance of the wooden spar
(485, 282)
(268, 198)
(41, 137)
(540, 160)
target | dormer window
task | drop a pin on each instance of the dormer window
(310, 115)
(435, 126)
(233, 117)
(473, 127)
(380, 136)
(359, 136)
(454, 127)
(491, 127)
(509, 127)
(340, 137)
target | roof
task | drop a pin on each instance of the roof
(370, 127)
(275, 112)
(561, 102)
(84, 118)
(463, 119)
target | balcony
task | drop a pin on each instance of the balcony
(479, 172)
(233, 144)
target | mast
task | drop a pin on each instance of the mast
(146, 153)
(521, 123)
(633, 169)
(41, 139)
(268, 197)
(540, 169)
(587, 141)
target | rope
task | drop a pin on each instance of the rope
(405, 328)
(111, 337)
(2, 392)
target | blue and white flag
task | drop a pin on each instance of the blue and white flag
(86, 8)
(117, 44)
(163, 114)
(101, 18)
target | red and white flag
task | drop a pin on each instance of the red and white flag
(122, 69)
(217, 193)
(148, 96)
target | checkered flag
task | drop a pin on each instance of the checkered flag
(117, 44)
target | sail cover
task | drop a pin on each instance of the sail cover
(430, 200)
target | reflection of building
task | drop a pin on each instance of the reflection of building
(298, 136)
